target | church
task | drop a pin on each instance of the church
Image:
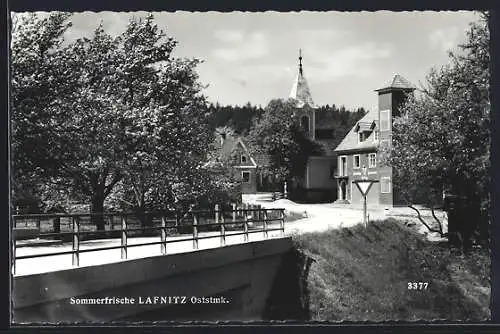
(319, 182)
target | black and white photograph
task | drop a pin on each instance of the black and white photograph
(307, 166)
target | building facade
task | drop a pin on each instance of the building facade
(231, 150)
(358, 151)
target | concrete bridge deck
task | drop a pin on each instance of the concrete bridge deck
(60, 262)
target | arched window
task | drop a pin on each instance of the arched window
(304, 123)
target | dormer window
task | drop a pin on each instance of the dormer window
(364, 129)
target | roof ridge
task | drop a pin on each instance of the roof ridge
(398, 82)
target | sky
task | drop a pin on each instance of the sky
(253, 57)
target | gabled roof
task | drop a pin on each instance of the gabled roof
(300, 89)
(351, 142)
(262, 159)
(246, 150)
(224, 148)
(398, 83)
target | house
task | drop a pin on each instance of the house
(231, 149)
(319, 182)
(358, 150)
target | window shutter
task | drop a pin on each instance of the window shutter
(384, 120)
(385, 185)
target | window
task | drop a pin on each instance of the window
(372, 160)
(360, 137)
(243, 158)
(384, 120)
(356, 162)
(385, 184)
(245, 176)
(375, 135)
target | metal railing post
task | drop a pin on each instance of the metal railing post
(282, 223)
(195, 231)
(234, 212)
(222, 231)
(38, 225)
(163, 236)
(265, 224)
(76, 241)
(124, 238)
(13, 254)
(245, 226)
(217, 215)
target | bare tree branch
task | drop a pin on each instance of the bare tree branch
(438, 221)
(419, 216)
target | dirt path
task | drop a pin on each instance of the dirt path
(320, 217)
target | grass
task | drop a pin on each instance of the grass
(362, 274)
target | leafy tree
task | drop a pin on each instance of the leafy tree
(441, 141)
(35, 77)
(104, 111)
(279, 135)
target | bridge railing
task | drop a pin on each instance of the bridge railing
(241, 220)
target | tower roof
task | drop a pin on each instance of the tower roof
(398, 83)
(300, 89)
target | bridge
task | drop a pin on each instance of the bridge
(208, 265)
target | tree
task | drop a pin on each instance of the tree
(441, 141)
(104, 110)
(280, 137)
(34, 85)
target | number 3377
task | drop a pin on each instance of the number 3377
(417, 285)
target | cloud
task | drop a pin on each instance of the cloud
(250, 46)
(356, 60)
(229, 36)
(444, 39)
(323, 35)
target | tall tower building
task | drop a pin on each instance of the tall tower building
(390, 98)
(305, 108)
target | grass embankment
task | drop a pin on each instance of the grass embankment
(362, 274)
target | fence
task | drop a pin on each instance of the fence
(244, 220)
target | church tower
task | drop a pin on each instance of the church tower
(305, 108)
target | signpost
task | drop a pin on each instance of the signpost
(364, 185)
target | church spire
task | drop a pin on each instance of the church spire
(300, 90)
(300, 61)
